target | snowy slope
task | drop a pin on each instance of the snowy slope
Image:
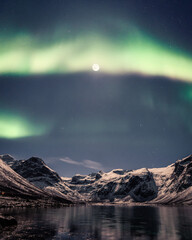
(176, 186)
(12, 184)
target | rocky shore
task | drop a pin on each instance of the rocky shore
(10, 202)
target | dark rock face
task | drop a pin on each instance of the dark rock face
(35, 170)
(78, 179)
(182, 175)
(178, 169)
(98, 176)
(81, 179)
(106, 191)
(140, 187)
(180, 165)
(120, 172)
(144, 193)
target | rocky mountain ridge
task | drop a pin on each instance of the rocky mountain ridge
(16, 190)
(168, 185)
(11, 183)
(35, 171)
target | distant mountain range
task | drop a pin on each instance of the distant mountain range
(33, 178)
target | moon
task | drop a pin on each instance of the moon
(95, 67)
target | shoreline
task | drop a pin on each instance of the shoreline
(13, 202)
(16, 202)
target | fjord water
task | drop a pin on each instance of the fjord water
(101, 223)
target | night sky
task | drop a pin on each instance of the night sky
(134, 112)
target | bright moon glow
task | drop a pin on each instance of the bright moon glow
(95, 67)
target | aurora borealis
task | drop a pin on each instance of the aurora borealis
(133, 52)
(15, 126)
(134, 112)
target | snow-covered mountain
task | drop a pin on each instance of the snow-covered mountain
(168, 185)
(138, 185)
(175, 183)
(13, 184)
(36, 172)
(39, 174)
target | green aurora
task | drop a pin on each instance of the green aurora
(131, 52)
(15, 126)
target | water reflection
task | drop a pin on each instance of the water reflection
(184, 221)
(32, 224)
(102, 223)
(145, 222)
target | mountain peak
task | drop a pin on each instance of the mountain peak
(36, 171)
(36, 160)
(185, 160)
(181, 164)
(8, 159)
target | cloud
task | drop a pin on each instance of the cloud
(85, 163)
(92, 164)
(70, 161)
